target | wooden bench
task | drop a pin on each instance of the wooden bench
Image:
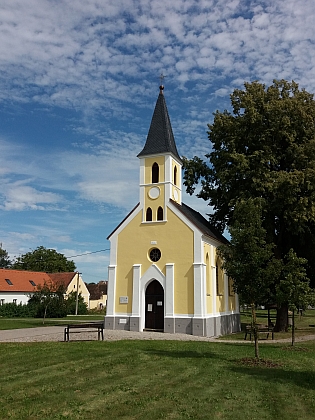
(92, 326)
(261, 329)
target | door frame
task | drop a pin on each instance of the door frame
(157, 318)
(153, 273)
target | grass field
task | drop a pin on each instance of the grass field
(15, 323)
(302, 324)
(155, 380)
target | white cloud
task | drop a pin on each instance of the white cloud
(102, 59)
(51, 49)
(22, 197)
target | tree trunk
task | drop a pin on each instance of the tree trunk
(45, 314)
(282, 319)
(293, 328)
(255, 330)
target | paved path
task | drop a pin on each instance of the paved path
(45, 334)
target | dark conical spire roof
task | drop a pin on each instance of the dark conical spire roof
(160, 137)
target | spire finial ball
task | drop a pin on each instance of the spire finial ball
(161, 88)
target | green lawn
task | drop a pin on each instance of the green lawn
(302, 324)
(15, 323)
(155, 380)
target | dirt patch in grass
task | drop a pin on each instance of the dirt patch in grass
(294, 348)
(254, 362)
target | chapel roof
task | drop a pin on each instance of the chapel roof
(160, 138)
(200, 222)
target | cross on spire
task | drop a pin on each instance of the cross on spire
(161, 77)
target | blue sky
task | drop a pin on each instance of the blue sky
(78, 85)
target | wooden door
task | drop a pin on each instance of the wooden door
(154, 306)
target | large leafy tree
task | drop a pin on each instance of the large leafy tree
(249, 260)
(4, 259)
(264, 148)
(43, 259)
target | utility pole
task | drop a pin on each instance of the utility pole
(77, 297)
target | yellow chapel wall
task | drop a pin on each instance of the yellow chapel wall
(220, 298)
(176, 242)
(154, 203)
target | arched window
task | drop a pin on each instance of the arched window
(160, 213)
(217, 278)
(175, 175)
(148, 217)
(155, 173)
(208, 278)
(230, 284)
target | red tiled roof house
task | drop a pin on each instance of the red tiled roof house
(17, 285)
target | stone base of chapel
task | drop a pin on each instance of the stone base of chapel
(203, 327)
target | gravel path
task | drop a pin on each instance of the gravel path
(45, 334)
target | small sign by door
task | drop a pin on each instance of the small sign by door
(159, 303)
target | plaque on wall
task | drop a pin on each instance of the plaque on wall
(123, 299)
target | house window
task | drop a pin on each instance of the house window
(155, 173)
(32, 282)
(148, 216)
(9, 282)
(155, 254)
(175, 175)
(160, 213)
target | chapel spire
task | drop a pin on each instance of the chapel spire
(160, 138)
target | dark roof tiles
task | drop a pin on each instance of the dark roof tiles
(160, 137)
(200, 222)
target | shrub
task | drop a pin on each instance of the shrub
(12, 310)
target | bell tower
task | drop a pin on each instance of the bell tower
(160, 166)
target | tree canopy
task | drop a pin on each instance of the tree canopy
(5, 261)
(264, 149)
(43, 259)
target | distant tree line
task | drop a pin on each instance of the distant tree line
(40, 259)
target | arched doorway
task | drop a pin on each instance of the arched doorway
(154, 306)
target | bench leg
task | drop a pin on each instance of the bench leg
(66, 334)
(100, 333)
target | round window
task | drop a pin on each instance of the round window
(155, 254)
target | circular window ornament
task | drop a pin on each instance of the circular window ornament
(175, 194)
(155, 254)
(154, 192)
